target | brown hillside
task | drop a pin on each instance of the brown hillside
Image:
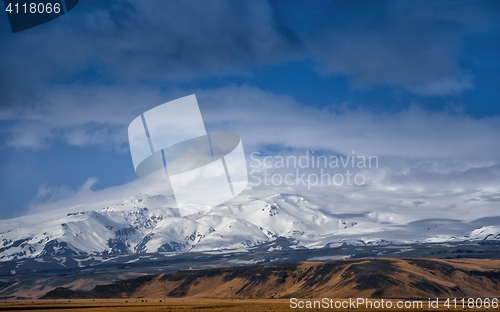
(372, 278)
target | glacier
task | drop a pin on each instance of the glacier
(307, 219)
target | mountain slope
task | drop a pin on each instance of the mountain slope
(370, 278)
(146, 224)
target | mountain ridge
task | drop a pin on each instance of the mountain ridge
(359, 278)
(146, 224)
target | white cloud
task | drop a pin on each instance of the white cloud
(83, 116)
(84, 196)
(446, 85)
(52, 194)
(80, 115)
(266, 118)
(442, 184)
(429, 153)
(49, 194)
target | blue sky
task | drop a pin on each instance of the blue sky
(414, 82)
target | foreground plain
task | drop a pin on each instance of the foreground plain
(181, 305)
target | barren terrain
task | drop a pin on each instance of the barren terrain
(362, 278)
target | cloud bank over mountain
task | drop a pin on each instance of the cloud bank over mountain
(411, 83)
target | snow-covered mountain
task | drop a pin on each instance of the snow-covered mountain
(146, 224)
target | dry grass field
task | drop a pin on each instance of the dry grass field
(186, 305)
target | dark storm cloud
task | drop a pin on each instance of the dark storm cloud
(184, 39)
(436, 173)
(413, 45)
(84, 76)
(141, 40)
(72, 78)
(410, 45)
